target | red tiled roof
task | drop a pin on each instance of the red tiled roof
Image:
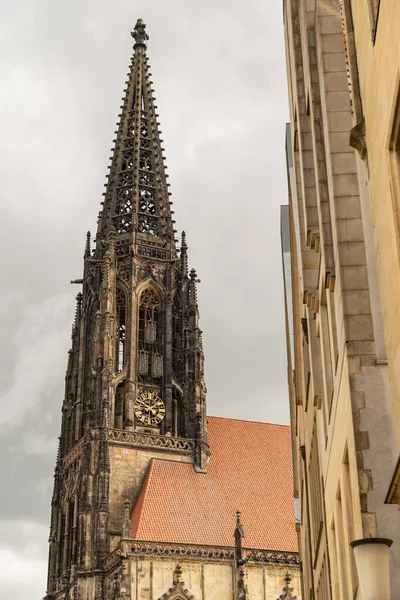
(249, 470)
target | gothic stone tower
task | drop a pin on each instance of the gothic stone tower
(135, 370)
(139, 500)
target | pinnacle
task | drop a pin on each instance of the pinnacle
(87, 245)
(184, 244)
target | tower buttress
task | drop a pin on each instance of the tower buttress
(135, 373)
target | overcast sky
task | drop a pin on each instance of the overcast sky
(220, 84)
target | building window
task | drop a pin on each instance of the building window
(150, 358)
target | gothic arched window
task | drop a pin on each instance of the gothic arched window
(120, 301)
(150, 360)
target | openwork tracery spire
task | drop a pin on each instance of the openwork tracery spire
(136, 200)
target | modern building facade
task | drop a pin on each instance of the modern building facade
(342, 278)
(151, 498)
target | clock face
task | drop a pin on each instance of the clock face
(149, 408)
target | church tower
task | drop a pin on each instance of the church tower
(135, 379)
(146, 488)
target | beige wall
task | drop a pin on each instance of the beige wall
(345, 446)
(150, 579)
(379, 76)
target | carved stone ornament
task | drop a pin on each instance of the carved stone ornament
(103, 516)
(136, 439)
(287, 595)
(241, 586)
(358, 140)
(76, 595)
(209, 553)
(178, 590)
(118, 588)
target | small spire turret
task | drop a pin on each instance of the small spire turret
(184, 256)
(78, 310)
(239, 536)
(193, 288)
(87, 246)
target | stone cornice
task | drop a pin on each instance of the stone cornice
(131, 548)
(135, 439)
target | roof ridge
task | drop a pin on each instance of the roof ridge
(248, 421)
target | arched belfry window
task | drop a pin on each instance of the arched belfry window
(120, 302)
(150, 359)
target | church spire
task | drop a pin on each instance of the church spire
(136, 200)
(135, 375)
